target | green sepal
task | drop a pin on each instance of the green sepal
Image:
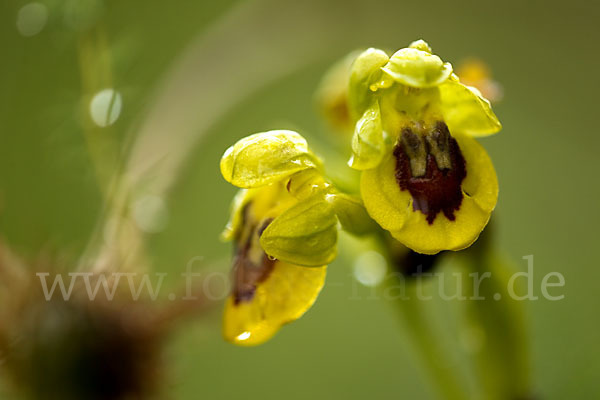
(366, 70)
(305, 234)
(352, 214)
(368, 141)
(263, 158)
(466, 111)
(421, 45)
(417, 68)
(307, 183)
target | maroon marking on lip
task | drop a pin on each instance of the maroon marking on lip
(439, 190)
(246, 273)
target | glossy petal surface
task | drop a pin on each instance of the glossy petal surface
(267, 157)
(466, 111)
(417, 68)
(288, 292)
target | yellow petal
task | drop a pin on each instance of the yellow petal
(466, 111)
(287, 293)
(443, 234)
(383, 199)
(481, 183)
(392, 208)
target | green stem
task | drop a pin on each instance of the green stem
(502, 357)
(427, 344)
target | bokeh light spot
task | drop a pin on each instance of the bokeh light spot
(105, 107)
(370, 268)
(31, 19)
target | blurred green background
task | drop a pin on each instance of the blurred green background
(196, 76)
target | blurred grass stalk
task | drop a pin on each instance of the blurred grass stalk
(202, 86)
(124, 248)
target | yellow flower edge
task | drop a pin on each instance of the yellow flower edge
(287, 293)
(392, 207)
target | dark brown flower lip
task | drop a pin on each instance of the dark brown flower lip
(248, 273)
(431, 167)
(247, 276)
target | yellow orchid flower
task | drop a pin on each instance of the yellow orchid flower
(284, 228)
(425, 179)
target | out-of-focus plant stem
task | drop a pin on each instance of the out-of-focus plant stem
(423, 334)
(494, 327)
(435, 359)
(501, 355)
